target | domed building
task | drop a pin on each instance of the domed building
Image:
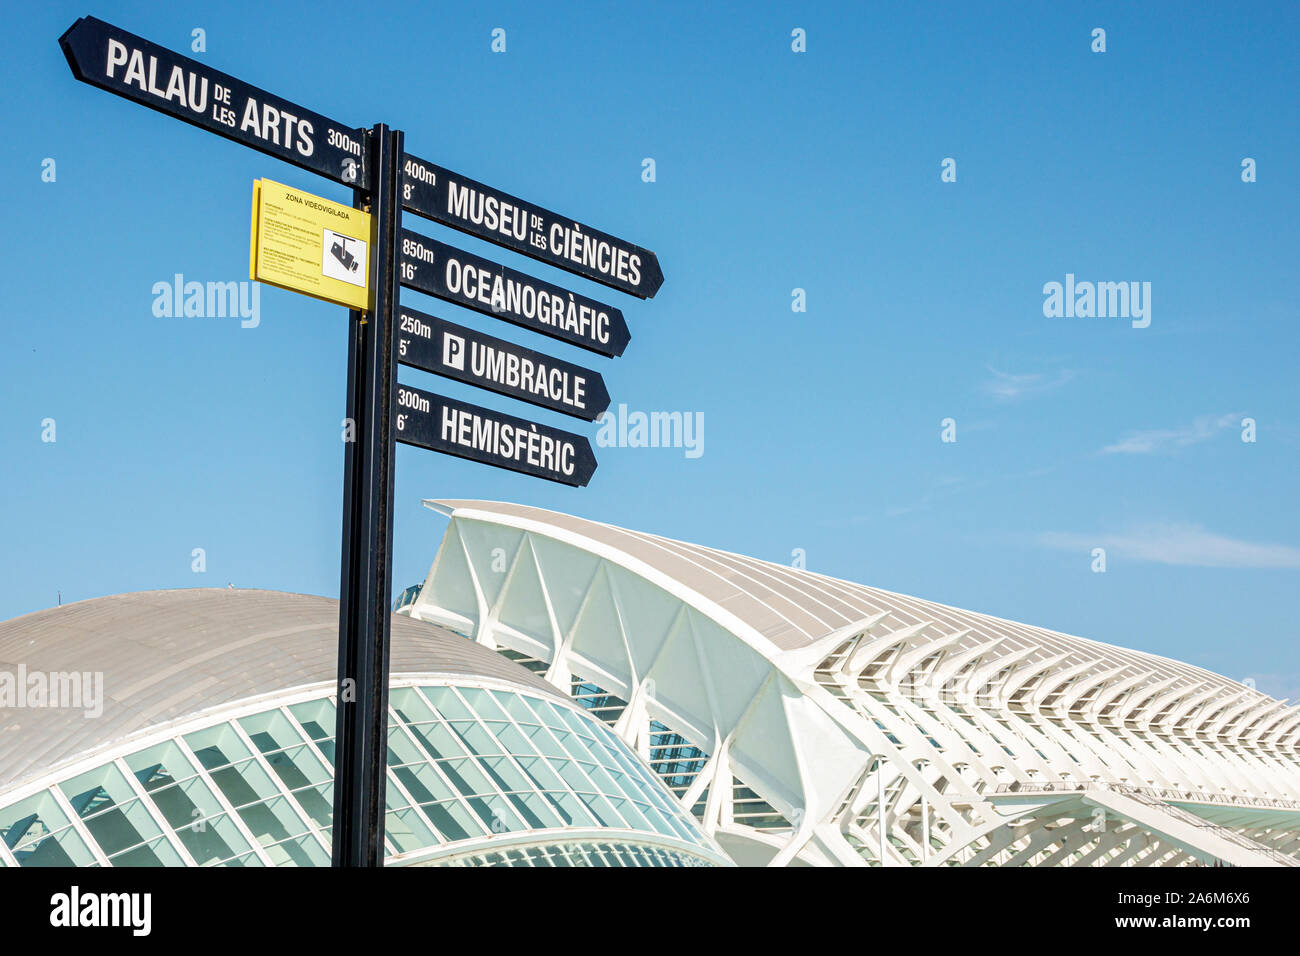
(195, 728)
(569, 693)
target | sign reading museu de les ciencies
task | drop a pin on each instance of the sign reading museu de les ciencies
(311, 245)
(362, 257)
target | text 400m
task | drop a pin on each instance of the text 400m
(416, 173)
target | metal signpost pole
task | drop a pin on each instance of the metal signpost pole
(361, 729)
(380, 413)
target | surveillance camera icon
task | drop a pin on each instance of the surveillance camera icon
(340, 252)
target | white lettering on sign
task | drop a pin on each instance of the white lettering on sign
(508, 442)
(453, 352)
(488, 211)
(266, 122)
(517, 372)
(597, 254)
(505, 294)
(498, 214)
(191, 90)
(185, 89)
(416, 250)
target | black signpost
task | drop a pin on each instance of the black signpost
(361, 724)
(386, 180)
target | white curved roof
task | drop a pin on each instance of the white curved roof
(794, 608)
(166, 655)
(830, 700)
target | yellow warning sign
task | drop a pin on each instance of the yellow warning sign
(307, 244)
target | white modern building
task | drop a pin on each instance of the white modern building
(195, 728)
(568, 693)
(807, 720)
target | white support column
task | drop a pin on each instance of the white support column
(925, 828)
(880, 805)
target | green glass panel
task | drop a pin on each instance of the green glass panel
(186, 803)
(157, 853)
(448, 704)
(30, 820)
(270, 731)
(316, 717)
(298, 767)
(410, 706)
(122, 826)
(217, 746)
(64, 848)
(318, 803)
(452, 821)
(97, 790)
(272, 821)
(213, 840)
(515, 706)
(160, 766)
(300, 851)
(482, 703)
(244, 783)
(407, 831)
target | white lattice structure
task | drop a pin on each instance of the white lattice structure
(807, 720)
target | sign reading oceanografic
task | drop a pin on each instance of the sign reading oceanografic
(307, 244)
(112, 59)
(469, 431)
(437, 269)
(454, 351)
(360, 259)
(454, 200)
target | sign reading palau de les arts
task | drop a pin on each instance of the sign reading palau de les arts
(360, 257)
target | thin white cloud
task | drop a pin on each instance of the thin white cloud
(944, 486)
(1169, 439)
(1179, 544)
(1009, 387)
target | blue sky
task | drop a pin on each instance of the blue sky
(775, 170)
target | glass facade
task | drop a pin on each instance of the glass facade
(585, 853)
(468, 765)
(407, 597)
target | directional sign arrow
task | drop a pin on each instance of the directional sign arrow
(112, 59)
(469, 431)
(438, 269)
(444, 348)
(453, 200)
